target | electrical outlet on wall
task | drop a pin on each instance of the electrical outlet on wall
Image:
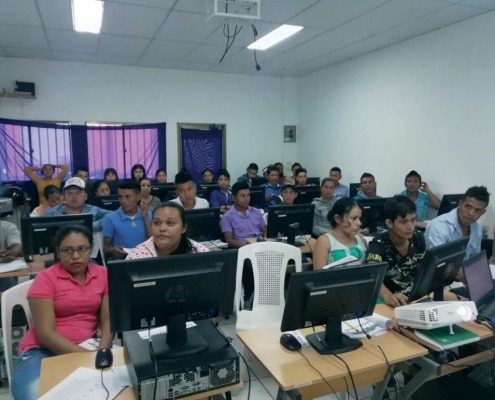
(290, 132)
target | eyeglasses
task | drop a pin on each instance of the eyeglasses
(69, 251)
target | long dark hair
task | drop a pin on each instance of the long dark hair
(341, 208)
(184, 243)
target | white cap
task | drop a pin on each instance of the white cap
(75, 182)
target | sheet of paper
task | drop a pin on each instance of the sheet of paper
(161, 329)
(15, 265)
(128, 250)
(92, 344)
(88, 384)
(97, 244)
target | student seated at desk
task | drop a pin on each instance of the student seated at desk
(344, 239)
(68, 301)
(293, 168)
(81, 172)
(402, 247)
(10, 249)
(272, 187)
(222, 197)
(251, 172)
(208, 175)
(288, 194)
(47, 172)
(368, 187)
(161, 175)
(111, 174)
(186, 192)
(53, 197)
(336, 176)
(147, 198)
(101, 188)
(169, 234)
(419, 192)
(129, 225)
(323, 205)
(301, 177)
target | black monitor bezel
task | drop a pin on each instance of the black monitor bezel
(369, 208)
(273, 221)
(216, 233)
(447, 201)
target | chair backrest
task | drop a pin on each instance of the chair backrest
(269, 261)
(10, 298)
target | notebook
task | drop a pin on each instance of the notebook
(479, 283)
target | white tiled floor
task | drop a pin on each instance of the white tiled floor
(263, 387)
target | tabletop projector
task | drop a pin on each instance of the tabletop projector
(435, 314)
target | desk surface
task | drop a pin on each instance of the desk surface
(291, 370)
(56, 369)
(34, 268)
(307, 248)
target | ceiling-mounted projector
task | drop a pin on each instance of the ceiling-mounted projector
(435, 314)
(225, 11)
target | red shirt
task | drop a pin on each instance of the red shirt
(76, 306)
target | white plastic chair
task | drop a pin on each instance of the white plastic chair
(10, 298)
(269, 261)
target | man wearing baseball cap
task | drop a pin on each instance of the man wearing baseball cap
(74, 198)
(288, 194)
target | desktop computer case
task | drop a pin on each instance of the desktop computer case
(179, 377)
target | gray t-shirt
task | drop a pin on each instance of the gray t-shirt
(9, 235)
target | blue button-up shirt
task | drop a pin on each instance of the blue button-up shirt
(341, 191)
(269, 191)
(98, 213)
(445, 228)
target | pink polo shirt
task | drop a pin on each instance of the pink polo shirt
(76, 306)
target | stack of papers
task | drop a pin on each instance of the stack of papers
(215, 243)
(15, 265)
(89, 386)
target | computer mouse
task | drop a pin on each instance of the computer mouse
(290, 342)
(260, 239)
(104, 358)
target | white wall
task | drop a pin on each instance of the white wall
(425, 104)
(255, 108)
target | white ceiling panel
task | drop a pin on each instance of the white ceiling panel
(19, 12)
(129, 20)
(175, 33)
(72, 41)
(329, 14)
(22, 37)
(56, 14)
(430, 22)
(122, 46)
(168, 49)
(186, 27)
(281, 10)
(147, 3)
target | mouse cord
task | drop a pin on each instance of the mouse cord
(104, 387)
(312, 366)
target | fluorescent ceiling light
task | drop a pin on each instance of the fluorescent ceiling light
(87, 15)
(274, 37)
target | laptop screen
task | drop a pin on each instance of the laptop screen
(478, 277)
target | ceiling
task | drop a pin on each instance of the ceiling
(175, 33)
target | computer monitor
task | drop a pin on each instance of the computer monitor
(202, 193)
(290, 221)
(107, 202)
(329, 297)
(37, 234)
(203, 224)
(208, 187)
(439, 267)
(170, 291)
(449, 202)
(257, 197)
(306, 194)
(373, 213)
(162, 190)
(354, 189)
(258, 181)
(313, 180)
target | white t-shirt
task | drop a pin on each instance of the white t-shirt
(198, 202)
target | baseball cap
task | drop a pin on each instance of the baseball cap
(78, 182)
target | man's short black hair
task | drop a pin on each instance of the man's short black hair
(253, 166)
(183, 177)
(480, 193)
(336, 169)
(272, 167)
(130, 185)
(236, 187)
(208, 170)
(412, 174)
(399, 206)
(366, 175)
(80, 169)
(299, 170)
(296, 164)
(223, 172)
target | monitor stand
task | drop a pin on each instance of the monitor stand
(332, 341)
(178, 341)
(291, 237)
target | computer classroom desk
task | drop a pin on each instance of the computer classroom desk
(308, 247)
(33, 268)
(55, 369)
(427, 369)
(298, 380)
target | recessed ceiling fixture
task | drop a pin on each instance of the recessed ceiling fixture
(274, 37)
(87, 15)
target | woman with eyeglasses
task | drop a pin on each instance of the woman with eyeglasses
(68, 301)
